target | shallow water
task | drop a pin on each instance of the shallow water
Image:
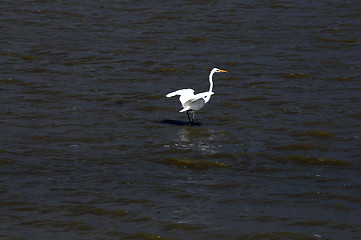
(92, 149)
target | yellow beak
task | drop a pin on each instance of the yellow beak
(222, 70)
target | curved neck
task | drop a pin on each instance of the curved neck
(211, 81)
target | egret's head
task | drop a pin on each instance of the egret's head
(219, 70)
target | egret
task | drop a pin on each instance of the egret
(192, 103)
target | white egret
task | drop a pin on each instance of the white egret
(192, 103)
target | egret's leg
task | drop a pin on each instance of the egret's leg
(189, 119)
(193, 115)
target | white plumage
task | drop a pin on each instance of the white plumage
(192, 103)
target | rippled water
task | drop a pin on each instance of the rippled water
(92, 149)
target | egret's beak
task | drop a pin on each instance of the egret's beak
(222, 70)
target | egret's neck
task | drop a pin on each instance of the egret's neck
(211, 81)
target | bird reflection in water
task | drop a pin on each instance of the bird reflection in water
(196, 140)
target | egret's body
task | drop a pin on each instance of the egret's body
(192, 103)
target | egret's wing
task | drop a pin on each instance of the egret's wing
(181, 92)
(196, 102)
(194, 105)
(185, 109)
(185, 95)
(200, 96)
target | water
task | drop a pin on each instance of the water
(92, 149)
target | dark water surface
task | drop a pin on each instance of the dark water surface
(92, 149)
